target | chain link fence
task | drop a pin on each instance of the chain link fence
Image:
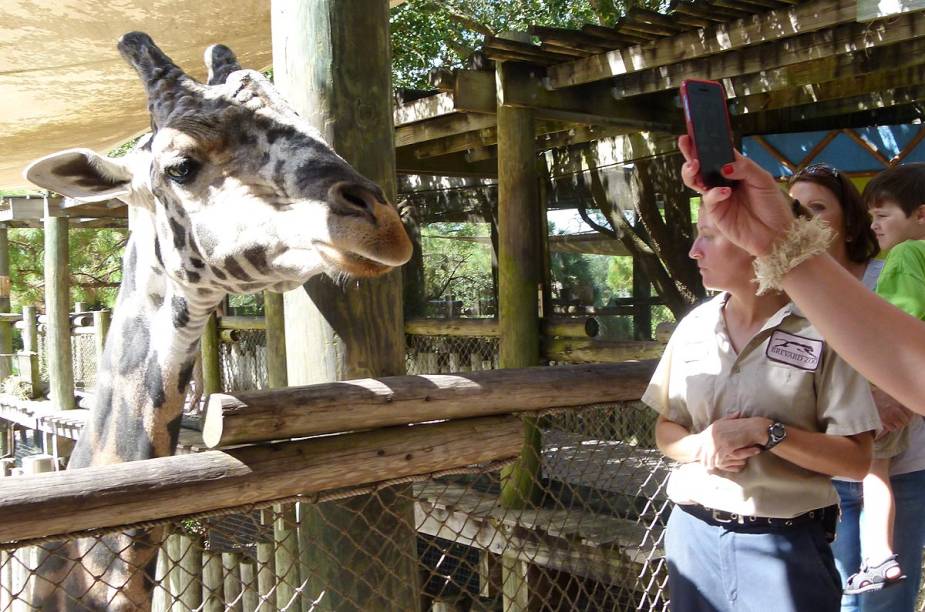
(590, 540)
(83, 351)
(243, 361)
(445, 354)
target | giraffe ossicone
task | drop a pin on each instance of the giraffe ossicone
(234, 193)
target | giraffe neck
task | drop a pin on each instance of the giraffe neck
(148, 361)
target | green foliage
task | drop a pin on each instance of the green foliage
(428, 34)
(250, 305)
(456, 267)
(96, 265)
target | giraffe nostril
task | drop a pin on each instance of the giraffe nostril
(352, 199)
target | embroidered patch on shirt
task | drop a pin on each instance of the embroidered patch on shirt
(800, 352)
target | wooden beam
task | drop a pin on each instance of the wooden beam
(806, 59)
(430, 107)
(523, 86)
(454, 164)
(113, 495)
(784, 121)
(720, 38)
(588, 350)
(830, 90)
(837, 114)
(440, 127)
(488, 328)
(380, 402)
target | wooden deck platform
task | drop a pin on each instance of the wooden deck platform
(43, 416)
(605, 548)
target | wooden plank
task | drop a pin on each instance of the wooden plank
(808, 58)
(119, 494)
(474, 91)
(523, 86)
(425, 108)
(772, 26)
(856, 111)
(473, 518)
(440, 127)
(455, 164)
(395, 400)
(851, 86)
(578, 350)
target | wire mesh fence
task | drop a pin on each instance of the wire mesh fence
(83, 351)
(589, 540)
(243, 361)
(445, 354)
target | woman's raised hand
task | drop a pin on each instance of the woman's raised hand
(754, 214)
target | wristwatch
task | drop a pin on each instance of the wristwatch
(776, 434)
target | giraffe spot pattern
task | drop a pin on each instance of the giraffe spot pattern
(137, 340)
(179, 234)
(235, 269)
(154, 382)
(180, 311)
(186, 374)
(217, 272)
(257, 257)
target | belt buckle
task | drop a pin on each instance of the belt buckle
(733, 517)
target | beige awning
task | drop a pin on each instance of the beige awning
(63, 84)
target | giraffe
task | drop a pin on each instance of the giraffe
(232, 192)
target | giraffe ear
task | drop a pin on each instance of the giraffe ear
(80, 174)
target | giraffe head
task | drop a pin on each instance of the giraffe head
(244, 194)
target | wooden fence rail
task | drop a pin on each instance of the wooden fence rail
(114, 495)
(369, 403)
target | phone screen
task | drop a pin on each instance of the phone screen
(708, 126)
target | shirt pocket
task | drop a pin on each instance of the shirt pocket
(787, 394)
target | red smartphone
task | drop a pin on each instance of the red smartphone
(708, 126)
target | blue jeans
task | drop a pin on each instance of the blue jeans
(908, 539)
(713, 569)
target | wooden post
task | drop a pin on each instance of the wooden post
(642, 311)
(231, 574)
(520, 272)
(334, 333)
(266, 565)
(213, 587)
(189, 588)
(249, 599)
(520, 275)
(286, 548)
(30, 333)
(276, 339)
(57, 290)
(6, 329)
(211, 368)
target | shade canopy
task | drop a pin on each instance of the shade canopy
(63, 84)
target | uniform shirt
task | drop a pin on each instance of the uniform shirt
(785, 373)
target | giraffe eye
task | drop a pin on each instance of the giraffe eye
(182, 171)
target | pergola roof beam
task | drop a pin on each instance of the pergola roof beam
(804, 53)
(771, 26)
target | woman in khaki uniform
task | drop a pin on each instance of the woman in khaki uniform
(759, 413)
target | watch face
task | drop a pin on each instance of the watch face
(777, 430)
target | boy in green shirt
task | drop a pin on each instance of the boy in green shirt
(896, 200)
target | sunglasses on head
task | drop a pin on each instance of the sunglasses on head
(819, 170)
